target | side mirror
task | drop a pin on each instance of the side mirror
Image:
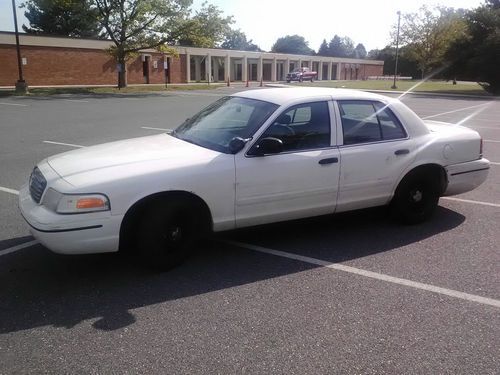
(266, 146)
(236, 144)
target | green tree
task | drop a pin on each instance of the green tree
(295, 44)
(477, 56)
(406, 67)
(360, 51)
(74, 18)
(428, 33)
(134, 25)
(335, 47)
(341, 46)
(323, 49)
(207, 28)
(237, 40)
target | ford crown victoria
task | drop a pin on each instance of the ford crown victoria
(252, 158)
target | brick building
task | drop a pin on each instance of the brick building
(50, 61)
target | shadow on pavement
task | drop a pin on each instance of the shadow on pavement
(39, 288)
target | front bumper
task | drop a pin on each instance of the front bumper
(70, 234)
(464, 177)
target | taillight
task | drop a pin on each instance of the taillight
(481, 148)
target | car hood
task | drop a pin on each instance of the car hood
(130, 151)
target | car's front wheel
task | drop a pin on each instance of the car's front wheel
(167, 232)
(416, 198)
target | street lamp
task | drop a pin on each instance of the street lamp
(397, 53)
(21, 85)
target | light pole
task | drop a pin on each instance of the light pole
(397, 53)
(21, 85)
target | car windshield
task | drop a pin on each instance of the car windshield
(229, 117)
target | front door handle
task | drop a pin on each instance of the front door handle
(402, 152)
(328, 161)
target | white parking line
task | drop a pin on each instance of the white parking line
(18, 105)
(370, 274)
(494, 163)
(161, 129)
(483, 127)
(456, 110)
(471, 201)
(7, 190)
(491, 140)
(13, 249)
(63, 144)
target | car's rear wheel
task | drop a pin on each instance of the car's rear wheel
(167, 232)
(300, 79)
(416, 198)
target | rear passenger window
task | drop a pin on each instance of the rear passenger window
(366, 121)
(391, 127)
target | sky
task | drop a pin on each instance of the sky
(365, 21)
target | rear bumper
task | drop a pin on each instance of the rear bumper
(464, 177)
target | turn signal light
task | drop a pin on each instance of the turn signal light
(85, 203)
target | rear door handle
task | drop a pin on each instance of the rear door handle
(328, 161)
(402, 152)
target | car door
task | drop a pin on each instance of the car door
(299, 181)
(374, 151)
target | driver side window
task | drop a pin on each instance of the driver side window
(302, 127)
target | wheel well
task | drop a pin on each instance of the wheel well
(134, 213)
(435, 170)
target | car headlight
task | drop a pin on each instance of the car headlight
(75, 203)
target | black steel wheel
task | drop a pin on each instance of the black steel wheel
(416, 198)
(167, 232)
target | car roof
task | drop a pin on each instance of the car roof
(283, 95)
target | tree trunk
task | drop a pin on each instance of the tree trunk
(122, 71)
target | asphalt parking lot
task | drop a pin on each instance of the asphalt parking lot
(349, 293)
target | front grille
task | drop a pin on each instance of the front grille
(38, 183)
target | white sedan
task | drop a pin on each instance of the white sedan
(252, 158)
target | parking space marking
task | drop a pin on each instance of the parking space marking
(7, 190)
(161, 129)
(455, 110)
(490, 140)
(18, 105)
(471, 201)
(64, 144)
(370, 274)
(483, 127)
(13, 249)
(494, 163)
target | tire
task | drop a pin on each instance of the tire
(288, 81)
(416, 198)
(312, 79)
(300, 79)
(167, 232)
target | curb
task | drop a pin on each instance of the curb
(422, 93)
(430, 93)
